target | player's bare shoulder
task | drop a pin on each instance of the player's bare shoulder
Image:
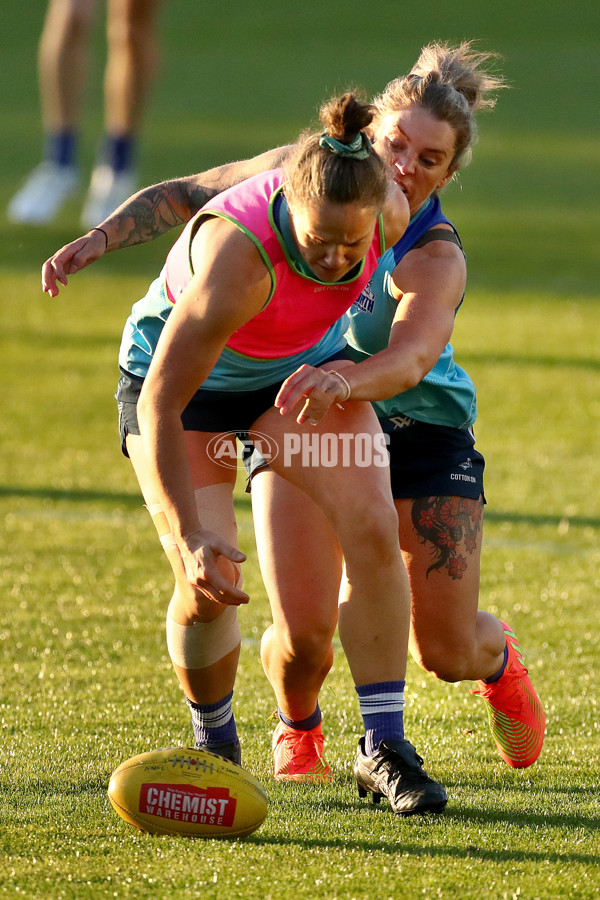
(435, 266)
(438, 250)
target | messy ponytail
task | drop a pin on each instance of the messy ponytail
(452, 83)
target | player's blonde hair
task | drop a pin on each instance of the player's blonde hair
(452, 83)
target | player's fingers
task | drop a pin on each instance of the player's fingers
(291, 391)
(293, 387)
(315, 408)
(232, 553)
(54, 272)
(221, 591)
(49, 285)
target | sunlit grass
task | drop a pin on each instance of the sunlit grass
(85, 679)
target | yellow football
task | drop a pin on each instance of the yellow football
(185, 791)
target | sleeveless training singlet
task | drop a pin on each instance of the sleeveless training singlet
(446, 395)
(300, 322)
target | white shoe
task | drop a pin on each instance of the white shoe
(45, 190)
(108, 189)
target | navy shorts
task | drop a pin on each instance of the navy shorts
(212, 411)
(432, 460)
(425, 460)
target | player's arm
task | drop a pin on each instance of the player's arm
(150, 213)
(428, 284)
(158, 208)
(219, 299)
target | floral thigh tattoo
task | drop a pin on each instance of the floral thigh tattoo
(448, 524)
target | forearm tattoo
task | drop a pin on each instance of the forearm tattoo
(157, 209)
(146, 218)
(448, 525)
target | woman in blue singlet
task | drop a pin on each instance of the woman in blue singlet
(399, 331)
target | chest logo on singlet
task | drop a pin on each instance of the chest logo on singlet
(366, 301)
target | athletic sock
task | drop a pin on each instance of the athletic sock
(213, 723)
(382, 710)
(500, 671)
(118, 152)
(303, 724)
(60, 147)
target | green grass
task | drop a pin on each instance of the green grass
(85, 680)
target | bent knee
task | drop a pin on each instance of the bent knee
(446, 662)
(372, 525)
(310, 647)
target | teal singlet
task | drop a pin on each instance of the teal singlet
(446, 395)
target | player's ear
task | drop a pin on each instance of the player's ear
(452, 171)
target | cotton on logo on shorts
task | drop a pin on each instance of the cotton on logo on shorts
(223, 448)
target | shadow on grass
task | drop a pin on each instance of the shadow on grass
(432, 852)
(466, 816)
(133, 501)
(66, 495)
(40, 791)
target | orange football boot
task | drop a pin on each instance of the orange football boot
(516, 715)
(299, 755)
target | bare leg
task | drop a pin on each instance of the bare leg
(131, 65)
(188, 605)
(375, 602)
(374, 613)
(450, 637)
(302, 583)
(62, 62)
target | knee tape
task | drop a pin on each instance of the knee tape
(215, 511)
(203, 643)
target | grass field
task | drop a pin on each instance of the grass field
(85, 679)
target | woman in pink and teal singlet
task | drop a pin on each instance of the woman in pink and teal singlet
(255, 287)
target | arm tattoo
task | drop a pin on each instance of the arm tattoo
(156, 209)
(445, 523)
(224, 177)
(147, 216)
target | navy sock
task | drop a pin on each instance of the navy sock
(60, 148)
(382, 710)
(302, 724)
(118, 152)
(500, 671)
(213, 723)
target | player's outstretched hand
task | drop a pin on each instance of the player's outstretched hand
(70, 259)
(319, 387)
(201, 551)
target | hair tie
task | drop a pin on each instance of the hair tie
(104, 233)
(356, 149)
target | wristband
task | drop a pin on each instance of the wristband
(344, 382)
